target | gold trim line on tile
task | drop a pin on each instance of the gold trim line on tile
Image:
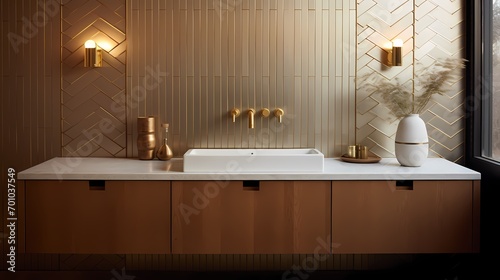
(406, 143)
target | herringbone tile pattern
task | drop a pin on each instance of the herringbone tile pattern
(93, 99)
(380, 22)
(431, 30)
(439, 33)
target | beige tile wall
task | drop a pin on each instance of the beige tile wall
(431, 30)
(206, 57)
(93, 118)
(29, 91)
(439, 32)
(191, 62)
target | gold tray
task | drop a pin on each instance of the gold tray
(371, 159)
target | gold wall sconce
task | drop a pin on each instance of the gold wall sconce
(396, 53)
(93, 55)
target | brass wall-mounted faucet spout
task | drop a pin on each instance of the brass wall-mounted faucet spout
(251, 114)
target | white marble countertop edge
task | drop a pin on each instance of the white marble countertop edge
(62, 168)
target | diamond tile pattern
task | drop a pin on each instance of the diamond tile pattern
(93, 99)
(430, 30)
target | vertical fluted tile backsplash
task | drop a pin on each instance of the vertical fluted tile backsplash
(190, 62)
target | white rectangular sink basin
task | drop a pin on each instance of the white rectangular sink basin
(253, 160)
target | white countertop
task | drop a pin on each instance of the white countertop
(70, 168)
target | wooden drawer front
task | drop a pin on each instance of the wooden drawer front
(275, 217)
(123, 217)
(378, 217)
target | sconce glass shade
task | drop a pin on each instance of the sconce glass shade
(89, 44)
(397, 43)
(397, 52)
(93, 55)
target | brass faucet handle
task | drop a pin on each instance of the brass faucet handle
(235, 112)
(265, 112)
(279, 114)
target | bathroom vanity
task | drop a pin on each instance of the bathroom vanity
(127, 206)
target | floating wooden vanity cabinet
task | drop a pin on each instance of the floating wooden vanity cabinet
(98, 217)
(156, 208)
(247, 217)
(405, 217)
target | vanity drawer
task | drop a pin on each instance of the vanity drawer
(251, 217)
(414, 217)
(98, 217)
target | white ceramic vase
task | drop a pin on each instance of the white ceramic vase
(412, 141)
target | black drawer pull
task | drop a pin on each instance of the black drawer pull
(251, 185)
(404, 185)
(97, 185)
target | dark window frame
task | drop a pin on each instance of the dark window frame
(478, 99)
(478, 87)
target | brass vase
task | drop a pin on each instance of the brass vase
(146, 140)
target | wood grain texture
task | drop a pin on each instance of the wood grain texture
(85, 262)
(21, 216)
(378, 217)
(476, 216)
(279, 217)
(126, 217)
